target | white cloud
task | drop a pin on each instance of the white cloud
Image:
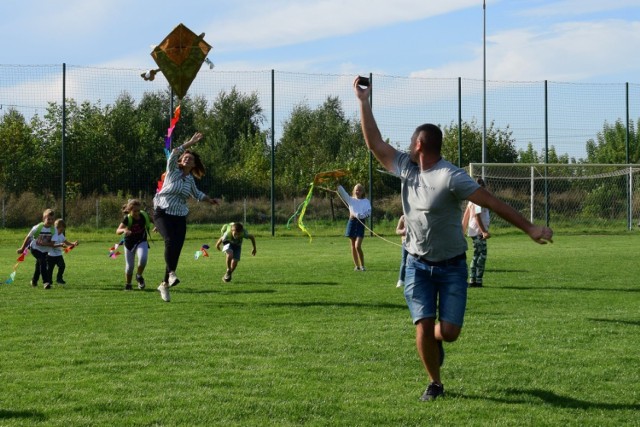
(269, 24)
(576, 7)
(571, 51)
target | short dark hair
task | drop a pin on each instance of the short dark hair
(481, 182)
(433, 136)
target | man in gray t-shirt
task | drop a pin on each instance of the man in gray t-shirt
(436, 269)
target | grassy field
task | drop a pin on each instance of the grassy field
(299, 338)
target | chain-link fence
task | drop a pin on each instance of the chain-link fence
(539, 115)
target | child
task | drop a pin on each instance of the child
(135, 227)
(359, 209)
(55, 258)
(39, 241)
(401, 230)
(476, 223)
(232, 237)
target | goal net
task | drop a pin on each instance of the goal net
(577, 196)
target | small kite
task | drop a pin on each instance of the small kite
(20, 259)
(113, 251)
(179, 56)
(302, 207)
(202, 252)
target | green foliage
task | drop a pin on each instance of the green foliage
(500, 144)
(610, 144)
(319, 140)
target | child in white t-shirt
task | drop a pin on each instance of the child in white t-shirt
(55, 256)
(38, 240)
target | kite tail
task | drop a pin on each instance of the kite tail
(300, 211)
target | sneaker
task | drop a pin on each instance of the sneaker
(34, 283)
(61, 282)
(164, 292)
(432, 392)
(475, 285)
(140, 281)
(356, 268)
(47, 285)
(128, 287)
(173, 279)
(362, 268)
(441, 350)
(400, 284)
(226, 277)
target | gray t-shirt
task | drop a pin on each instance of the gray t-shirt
(431, 201)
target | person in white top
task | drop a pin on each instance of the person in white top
(477, 219)
(38, 240)
(55, 256)
(359, 210)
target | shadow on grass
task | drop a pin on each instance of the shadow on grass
(335, 304)
(567, 288)
(626, 322)
(505, 270)
(549, 398)
(34, 415)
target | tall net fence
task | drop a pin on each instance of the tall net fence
(111, 156)
(582, 196)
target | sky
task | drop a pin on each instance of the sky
(526, 40)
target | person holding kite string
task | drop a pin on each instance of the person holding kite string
(432, 192)
(170, 206)
(359, 209)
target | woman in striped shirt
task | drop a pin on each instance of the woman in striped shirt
(170, 206)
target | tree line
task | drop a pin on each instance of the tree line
(119, 148)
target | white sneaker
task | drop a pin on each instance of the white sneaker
(362, 268)
(356, 268)
(173, 279)
(164, 292)
(400, 284)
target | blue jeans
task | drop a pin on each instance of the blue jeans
(436, 291)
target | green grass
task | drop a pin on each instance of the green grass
(298, 338)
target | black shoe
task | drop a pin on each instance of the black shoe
(432, 392)
(128, 287)
(61, 282)
(475, 285)
(34, 283)
(441, 349)
(47, 285)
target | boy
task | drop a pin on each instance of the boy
(39, 240)
(55, 256)
(232, 237)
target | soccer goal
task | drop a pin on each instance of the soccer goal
(577, 196)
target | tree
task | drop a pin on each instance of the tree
(500, 144)
(610, 144)
(318, 140)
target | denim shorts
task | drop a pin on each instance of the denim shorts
(436, 291)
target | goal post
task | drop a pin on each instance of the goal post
(578, 196)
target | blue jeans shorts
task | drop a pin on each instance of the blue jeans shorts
(436, 291)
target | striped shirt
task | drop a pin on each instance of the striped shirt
(177, 188)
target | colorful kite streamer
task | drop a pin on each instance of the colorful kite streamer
(20, 259)
(113, 251)
(302, 207)
(202, 252)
